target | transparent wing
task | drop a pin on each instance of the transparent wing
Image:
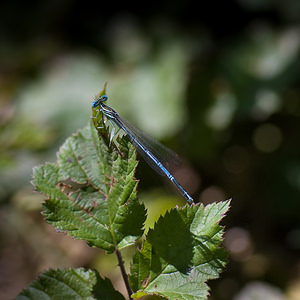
(167, 157)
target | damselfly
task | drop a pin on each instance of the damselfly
(146, 146)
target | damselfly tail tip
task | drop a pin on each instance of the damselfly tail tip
(190, 200)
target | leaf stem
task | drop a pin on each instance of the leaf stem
(123, 272)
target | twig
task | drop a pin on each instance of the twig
(123, 272)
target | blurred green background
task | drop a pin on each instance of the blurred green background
(218, 82)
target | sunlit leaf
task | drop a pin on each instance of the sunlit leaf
(70, 284)
(181, 253)
(92, 191)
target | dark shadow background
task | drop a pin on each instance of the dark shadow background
(237, 123)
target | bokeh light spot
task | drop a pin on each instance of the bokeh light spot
(267, 138)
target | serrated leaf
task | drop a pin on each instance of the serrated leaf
(92, 191)
(181, 253)
(70, 284)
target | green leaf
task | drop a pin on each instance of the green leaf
(70, 284)
(92, 190)
(181, 253)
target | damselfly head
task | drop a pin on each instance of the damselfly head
(103, 98)
(99, 100)
(95, 104)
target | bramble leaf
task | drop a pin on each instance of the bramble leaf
(181, 253)
(92, 191)
(70, 284)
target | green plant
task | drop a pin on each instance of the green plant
(91, 194)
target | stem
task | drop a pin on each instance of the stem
(123, 272)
